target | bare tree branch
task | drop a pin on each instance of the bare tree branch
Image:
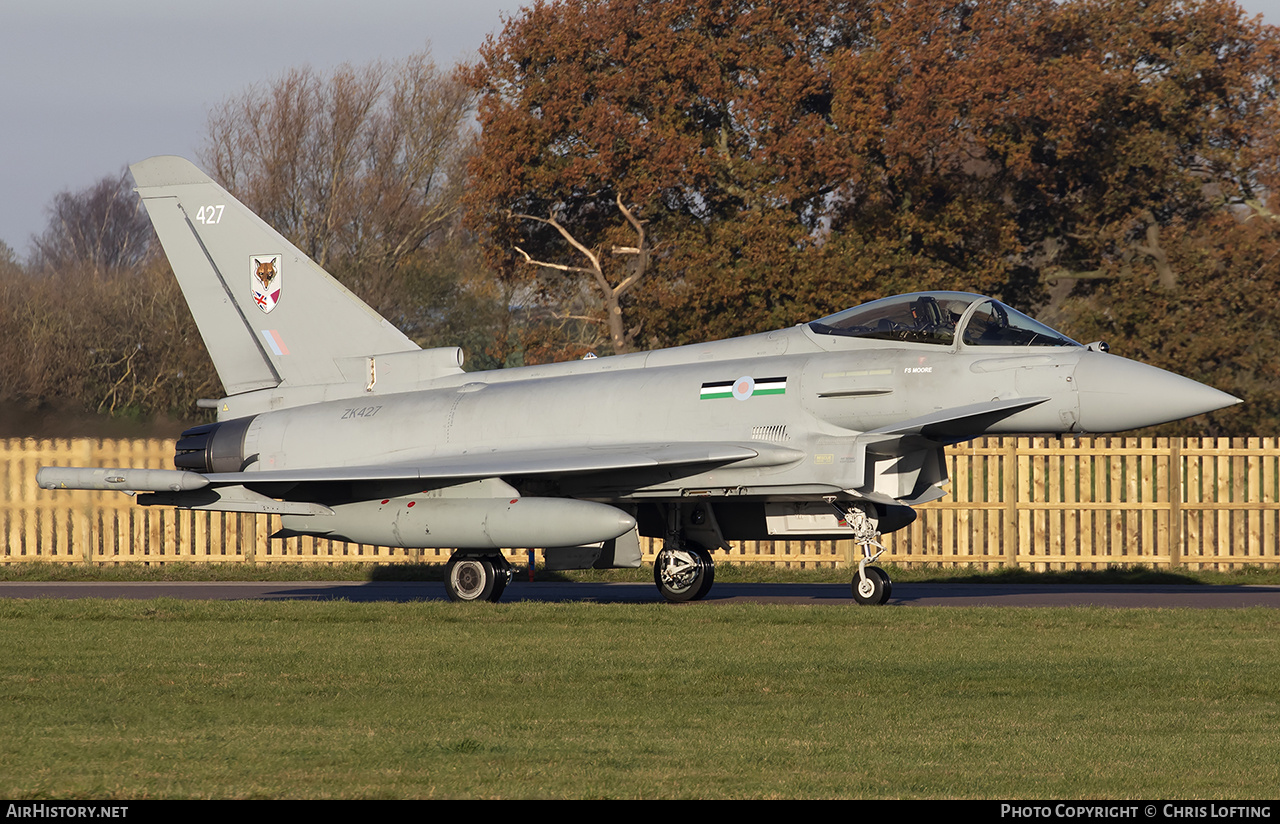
(610, 295)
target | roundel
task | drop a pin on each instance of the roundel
(743, 387)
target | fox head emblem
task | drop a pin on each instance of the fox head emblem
(264, 275)
(265, 271)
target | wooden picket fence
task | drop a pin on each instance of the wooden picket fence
(1046, 503)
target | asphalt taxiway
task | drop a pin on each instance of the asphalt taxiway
(904, 594)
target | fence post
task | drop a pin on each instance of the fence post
(1010, 494)
(248, 537)
(1175, 503)
(262, 531)
(82, 514)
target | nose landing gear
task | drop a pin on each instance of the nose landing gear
(871, 586)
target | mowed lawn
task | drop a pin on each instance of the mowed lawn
(173, 699)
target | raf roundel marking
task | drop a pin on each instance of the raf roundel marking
(743, 388)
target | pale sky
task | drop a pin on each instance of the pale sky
(89, 86)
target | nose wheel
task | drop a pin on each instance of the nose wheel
(871, 586)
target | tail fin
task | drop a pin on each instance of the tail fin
(267, 313)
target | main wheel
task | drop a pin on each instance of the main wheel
(875, 589)
(684, 574)
(473, 579)
(504, 574)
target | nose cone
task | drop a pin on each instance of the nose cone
(1118, 394)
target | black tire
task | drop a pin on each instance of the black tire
(472, 578)
(888, 585)
(692, 582)
(505, 574)
(875, 590)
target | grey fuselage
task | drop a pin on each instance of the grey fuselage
(834, 390)
(340, 425)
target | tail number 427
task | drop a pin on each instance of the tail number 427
(209, 215)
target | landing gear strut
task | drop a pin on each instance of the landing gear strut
(476, 577)
(684, 573)
(871, 586)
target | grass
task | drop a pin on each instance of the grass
(177, 699)
(725, 572)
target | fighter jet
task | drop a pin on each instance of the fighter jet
(338, 423)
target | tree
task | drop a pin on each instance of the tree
(362, 170)
(611, 295)
(795, 156)
(99, 230)
(121, 343)
(1218, 328)
(10, 266)
(584, 105)
(363, 165)
(97, 322)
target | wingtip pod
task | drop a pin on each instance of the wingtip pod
(120, 480)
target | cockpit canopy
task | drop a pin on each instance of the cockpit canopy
(934, 317)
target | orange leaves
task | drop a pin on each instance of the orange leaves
(800, 150)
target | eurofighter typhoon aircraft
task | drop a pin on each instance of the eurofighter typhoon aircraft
(833, 429)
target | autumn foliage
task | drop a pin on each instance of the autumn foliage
(655, 173)
(1082, 160)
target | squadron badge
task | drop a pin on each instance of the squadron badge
(264, 274)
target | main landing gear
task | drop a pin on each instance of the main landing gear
(683, 568)
(476, 577)
(683, 573)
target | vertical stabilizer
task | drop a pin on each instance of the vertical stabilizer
(266, 312)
